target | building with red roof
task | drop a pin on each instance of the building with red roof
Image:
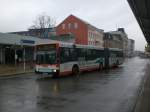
(83, 32)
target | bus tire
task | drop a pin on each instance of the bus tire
(75, 70)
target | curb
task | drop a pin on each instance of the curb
(139, 95)
(15, 74)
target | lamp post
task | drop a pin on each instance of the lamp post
(24, 60)
(15, 58)
(23, 48)
(1, 55)
(25, 42)
(15, 49)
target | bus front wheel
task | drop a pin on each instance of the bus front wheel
(75, 70)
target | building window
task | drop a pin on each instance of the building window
(69, 26)
(89, 34)
(63, 26)
(89, 42)
(72, 25)
(75, 25)
(92, 35)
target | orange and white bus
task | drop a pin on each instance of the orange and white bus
(59, 59)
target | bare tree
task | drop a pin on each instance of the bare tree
(42, 23)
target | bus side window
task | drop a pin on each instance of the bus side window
(67, 54)
(81, 53)
(73, 54)
(88, 55)
(64, 54)
(91, 54)
(98, 54)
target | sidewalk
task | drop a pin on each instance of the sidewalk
(8, 70)
(143, 104)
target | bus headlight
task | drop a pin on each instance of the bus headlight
(54, 70)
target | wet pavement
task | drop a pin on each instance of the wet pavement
(143, 103)
(115, 90)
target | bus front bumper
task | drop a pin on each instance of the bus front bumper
(46, 70)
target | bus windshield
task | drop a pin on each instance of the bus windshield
(46, 57)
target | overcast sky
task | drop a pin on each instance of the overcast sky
(18, 15)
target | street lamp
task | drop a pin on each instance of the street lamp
(24, 63)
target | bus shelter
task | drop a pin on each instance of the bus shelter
(17, 51)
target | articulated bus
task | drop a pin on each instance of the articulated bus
(59, 59)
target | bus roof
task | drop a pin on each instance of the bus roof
(72, 45)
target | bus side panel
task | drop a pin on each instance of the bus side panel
(81, 58)
(66, 68)
(115, 58)
(68, 59)
(90, 59)
(112, 58)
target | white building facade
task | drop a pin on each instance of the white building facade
(95, 36)
(124, 39)
(131, 47)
